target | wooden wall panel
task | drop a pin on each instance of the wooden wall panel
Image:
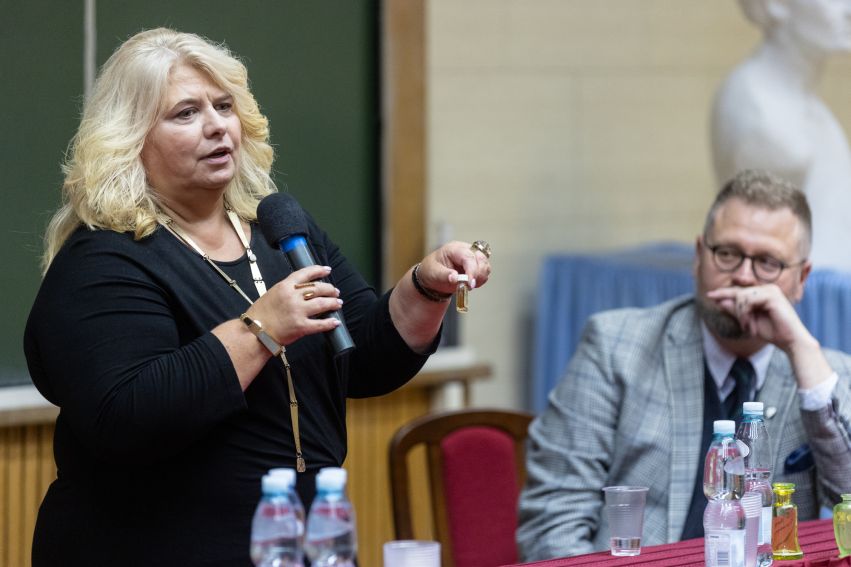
(26, 470)
(371, 423)
(404, 136)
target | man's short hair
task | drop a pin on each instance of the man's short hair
(765, 190)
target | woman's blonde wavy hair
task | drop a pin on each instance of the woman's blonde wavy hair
(105, 185)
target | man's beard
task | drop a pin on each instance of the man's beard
(719, 322)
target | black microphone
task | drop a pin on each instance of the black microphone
(284, 225)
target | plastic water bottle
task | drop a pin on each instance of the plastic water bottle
(290, 476)
(277, 530)
(331, 539)
(724, 486)
(758, 463)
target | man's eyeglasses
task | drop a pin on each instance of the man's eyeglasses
(765, 268)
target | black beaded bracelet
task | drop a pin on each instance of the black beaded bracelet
(429, 294)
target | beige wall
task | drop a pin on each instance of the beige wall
(572, 125)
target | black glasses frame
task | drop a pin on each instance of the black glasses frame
(755, 261)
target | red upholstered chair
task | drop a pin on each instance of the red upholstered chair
(475, 468)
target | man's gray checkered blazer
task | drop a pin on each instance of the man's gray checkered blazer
(630, 411)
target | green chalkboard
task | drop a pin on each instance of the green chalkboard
(313, 68)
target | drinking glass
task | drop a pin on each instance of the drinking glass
(411, 553)
(625, 511)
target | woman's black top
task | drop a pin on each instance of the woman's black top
(159, 452)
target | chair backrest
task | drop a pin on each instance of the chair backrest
(476, 467)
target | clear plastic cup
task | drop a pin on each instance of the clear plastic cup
(752, 503)
(625, 512)
(411, 553)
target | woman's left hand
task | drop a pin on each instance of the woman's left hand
(439, 270)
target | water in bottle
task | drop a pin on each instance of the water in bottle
(277, 530)
(290, 475)
(758, 465)
(723, 484)
(331, 538)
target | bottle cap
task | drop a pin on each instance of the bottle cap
(331, 478)
(724, 426)
(285, 473)
(752, 408)
(463, 278)
(275, 484)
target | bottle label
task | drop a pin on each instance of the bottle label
(725, 548)
(765, 526)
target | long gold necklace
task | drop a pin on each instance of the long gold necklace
(167, 221)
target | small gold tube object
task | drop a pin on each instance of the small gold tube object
(462, 293)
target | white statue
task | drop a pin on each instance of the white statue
(768, 115)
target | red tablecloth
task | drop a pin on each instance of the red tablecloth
(816, 539)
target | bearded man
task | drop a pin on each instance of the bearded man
(639, 397)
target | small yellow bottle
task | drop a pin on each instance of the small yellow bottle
(842, 525)
(784, 525)
(462, 293)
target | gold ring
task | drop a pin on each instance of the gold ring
(483, 247)
(304, 285)
(308, 295)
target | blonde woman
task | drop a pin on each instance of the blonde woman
(172, 383)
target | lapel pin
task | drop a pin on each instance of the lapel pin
(770, 411)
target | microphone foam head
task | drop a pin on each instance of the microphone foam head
(280, 216)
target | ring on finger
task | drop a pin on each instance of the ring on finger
(308, 295)
(304, 285)
(483, 247)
